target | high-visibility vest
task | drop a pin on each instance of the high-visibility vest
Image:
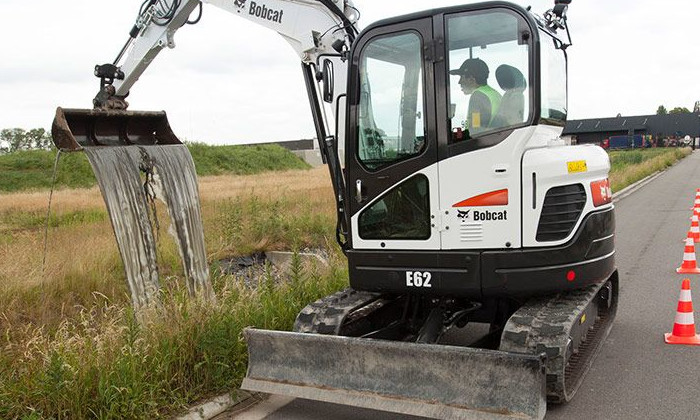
(494, 97)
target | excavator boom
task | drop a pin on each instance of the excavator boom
(315, 29)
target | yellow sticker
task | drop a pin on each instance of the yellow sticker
(577, 166)
(476, 119)
(583, 319)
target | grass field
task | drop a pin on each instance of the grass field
(69, 346)
(33, 169)
(629, 166)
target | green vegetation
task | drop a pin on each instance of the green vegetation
(102, 364)
(70, 347)
(256, 225)
(33, 169)
(661, 110)
(17, 219)
(242, 160)
(629, 166)
(14, 139)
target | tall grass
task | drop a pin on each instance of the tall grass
(69, 347)
(102, 364)
(629, 166)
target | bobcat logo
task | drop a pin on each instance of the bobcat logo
(463, 214)
(239, 3)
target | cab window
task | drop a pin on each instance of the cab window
(488, 65)
(391, 107)
(553, 81)
(403, 213)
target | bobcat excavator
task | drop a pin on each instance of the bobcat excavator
(480, 247)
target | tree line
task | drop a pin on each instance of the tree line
(15, 139)
(661, 110)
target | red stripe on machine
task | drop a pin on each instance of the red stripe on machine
(493, 198)
(600, 190)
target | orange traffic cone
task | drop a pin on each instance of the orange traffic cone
(695, 226)
(690, 264)
(684, 324)
(696, 204)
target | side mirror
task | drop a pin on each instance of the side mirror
(328, 80)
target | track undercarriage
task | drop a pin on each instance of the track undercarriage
(568, 328)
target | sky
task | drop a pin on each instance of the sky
(230, 81)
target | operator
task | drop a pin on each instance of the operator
(484, 100)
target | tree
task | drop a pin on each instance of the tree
(661, 110)
(679, 110)
(14, 139)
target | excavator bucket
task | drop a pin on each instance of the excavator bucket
(436, 381)
(73, 129)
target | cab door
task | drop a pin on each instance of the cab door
(391, 161)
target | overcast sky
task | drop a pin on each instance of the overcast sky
(229, 81)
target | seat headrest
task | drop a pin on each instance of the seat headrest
(509, 77)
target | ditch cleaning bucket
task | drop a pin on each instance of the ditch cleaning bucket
(73, 129)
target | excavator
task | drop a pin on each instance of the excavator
(480, 243)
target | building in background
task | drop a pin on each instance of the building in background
(669, 129)
(654, 130)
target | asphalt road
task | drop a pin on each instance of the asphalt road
(636, 375)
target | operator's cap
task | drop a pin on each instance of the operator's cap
(472, 67)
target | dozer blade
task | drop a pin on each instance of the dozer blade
(73, 129)
(429, 380)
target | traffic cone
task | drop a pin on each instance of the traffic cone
(684, 324)
(689, 265)
(696, 204)
(695, 227)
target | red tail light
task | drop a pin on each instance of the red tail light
(601, 193)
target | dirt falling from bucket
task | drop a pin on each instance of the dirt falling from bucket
(48, 212)
(169, 175)
(175, 182)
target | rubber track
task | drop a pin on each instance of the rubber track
(326, 315)
(543, 325)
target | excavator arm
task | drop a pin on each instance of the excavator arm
(313, 28)
(320, 32)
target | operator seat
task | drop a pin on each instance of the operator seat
(512, 107)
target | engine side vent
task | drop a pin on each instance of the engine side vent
(560, 212)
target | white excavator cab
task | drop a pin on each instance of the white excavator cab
(463, 206)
